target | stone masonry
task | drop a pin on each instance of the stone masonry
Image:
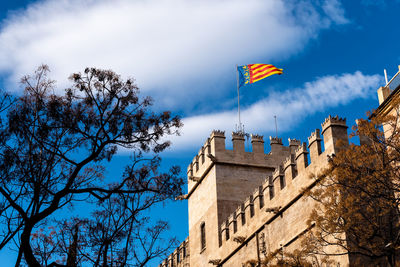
(245, 204)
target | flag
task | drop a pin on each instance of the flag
(254, 72)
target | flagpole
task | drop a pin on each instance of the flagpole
(237, 83)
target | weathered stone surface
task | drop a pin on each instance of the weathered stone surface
(231, 196)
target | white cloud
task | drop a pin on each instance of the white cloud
(176, 47)
(172, 46)
(334, 11)
(292, 106)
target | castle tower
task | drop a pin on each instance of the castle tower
(219, 180)
(244, 204)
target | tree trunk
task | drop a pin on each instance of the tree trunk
(26, 246)
(72, 251)
(98, 260)
(18, 262)
(105, 254)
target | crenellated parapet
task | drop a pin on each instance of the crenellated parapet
(217, 141)
(301, 157)
(214, 151)
(179, 257)
(314, 144)
(333, 130)
(276, 145)
(293, 144)
(289, 167)
(257, 138)
(286, 183)
(238, 141)
(278, 178)
(218, 133)
(275, 140)
(257, 143)
(240, 214)
(333, 121)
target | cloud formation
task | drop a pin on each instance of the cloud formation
(172, 47)
(179, 50)
(292, 106)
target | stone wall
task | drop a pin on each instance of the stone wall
(253, 203)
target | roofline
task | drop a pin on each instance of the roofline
(385, 103)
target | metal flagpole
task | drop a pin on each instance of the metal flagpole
(276, 127)
(237, 82)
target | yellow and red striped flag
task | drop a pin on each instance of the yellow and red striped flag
(254, 72)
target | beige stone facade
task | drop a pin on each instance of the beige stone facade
(389, 98)
(243, 205)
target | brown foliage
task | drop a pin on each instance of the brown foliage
(358, 196)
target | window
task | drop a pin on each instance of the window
(184, 251)
(203, 235)
(178, 256)
(251, 209)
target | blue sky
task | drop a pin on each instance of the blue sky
(183, 54)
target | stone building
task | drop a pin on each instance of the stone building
(243, 205)
(389, 98)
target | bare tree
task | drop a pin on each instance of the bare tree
(52, 149)
(115, 236)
